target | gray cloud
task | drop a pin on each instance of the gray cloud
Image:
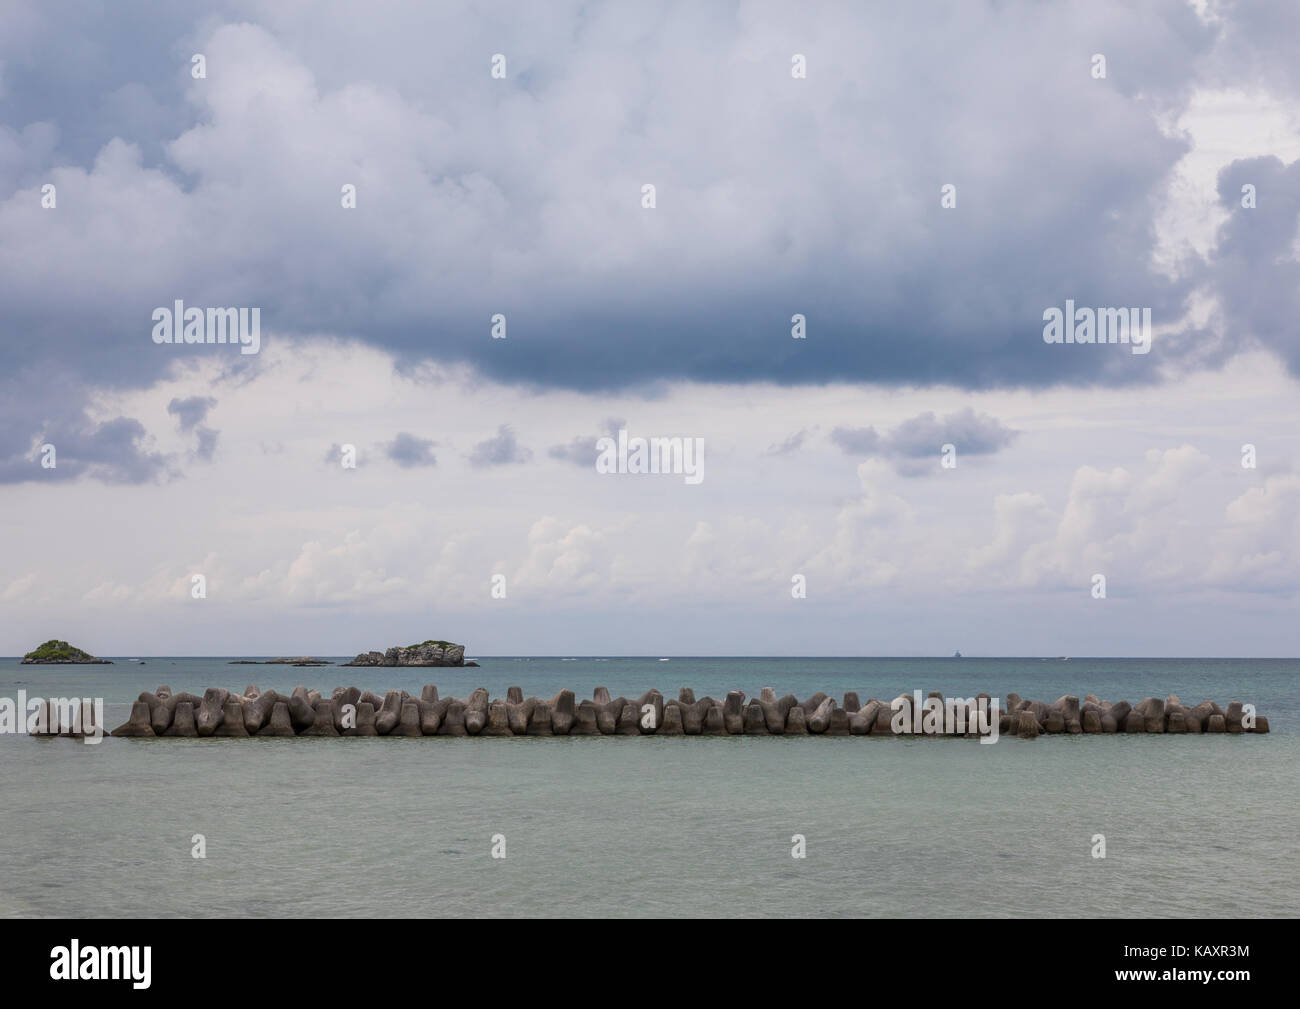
(499, 450)
(207, 443)
(191, 411)
(856, 440)
(775, 195)
(115, 451)
(791, 444)
(409, 451)
(971, 433)
(921, 438)
(581, 451)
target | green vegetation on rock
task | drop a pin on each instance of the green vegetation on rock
(55, 650)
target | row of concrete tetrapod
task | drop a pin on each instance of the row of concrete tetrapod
(1029, 719)
(353, 712)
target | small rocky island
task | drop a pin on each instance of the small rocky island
(55, 652)
(427, 653)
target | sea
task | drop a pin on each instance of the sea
(1061, 826)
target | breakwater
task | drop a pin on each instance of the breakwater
(350, 711)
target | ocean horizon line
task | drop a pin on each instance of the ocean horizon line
(763, 657)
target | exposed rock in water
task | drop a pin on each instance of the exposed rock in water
(428, 653)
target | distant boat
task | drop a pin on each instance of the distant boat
(956, 655)
(664, 660)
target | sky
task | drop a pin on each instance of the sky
(440, 213)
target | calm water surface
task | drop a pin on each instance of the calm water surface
(1194, 826)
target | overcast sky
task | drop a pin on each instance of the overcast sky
(775, 195)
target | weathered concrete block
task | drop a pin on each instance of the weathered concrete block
(651, 697)
(476, 711)
(600, 696)
(1028, 727)
(325, 722)
(811, 705)
(1068, 706)
(693, 716)
(138, 725)
(796, 722)
(302, 713)
(232, 720)
(1215, 723)
(390, 713)
(584, 720)
(212, 710)
(773, 717)
(519, 713)
(365, 721)
(1261, 724)
(851, 702)
(1092, 721)
(453, 719)
(714, 723)
(562, 708)
(628, 721)
(514, 695)
(431, 712)
(541, 722)
(278, 724)
(1135, 722)
(607, 714)
(820, 718)
(344, 696)
(838, 723)
(1177, 723)
(733, 715)
(498, 720)
(672, 725)
(409, 722)
(686, 696)
(755, 722)
(183, 721)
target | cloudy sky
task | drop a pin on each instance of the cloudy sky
(775, 195)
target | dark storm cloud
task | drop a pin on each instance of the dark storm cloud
(775, 196)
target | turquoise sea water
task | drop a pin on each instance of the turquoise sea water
(1198, 826)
